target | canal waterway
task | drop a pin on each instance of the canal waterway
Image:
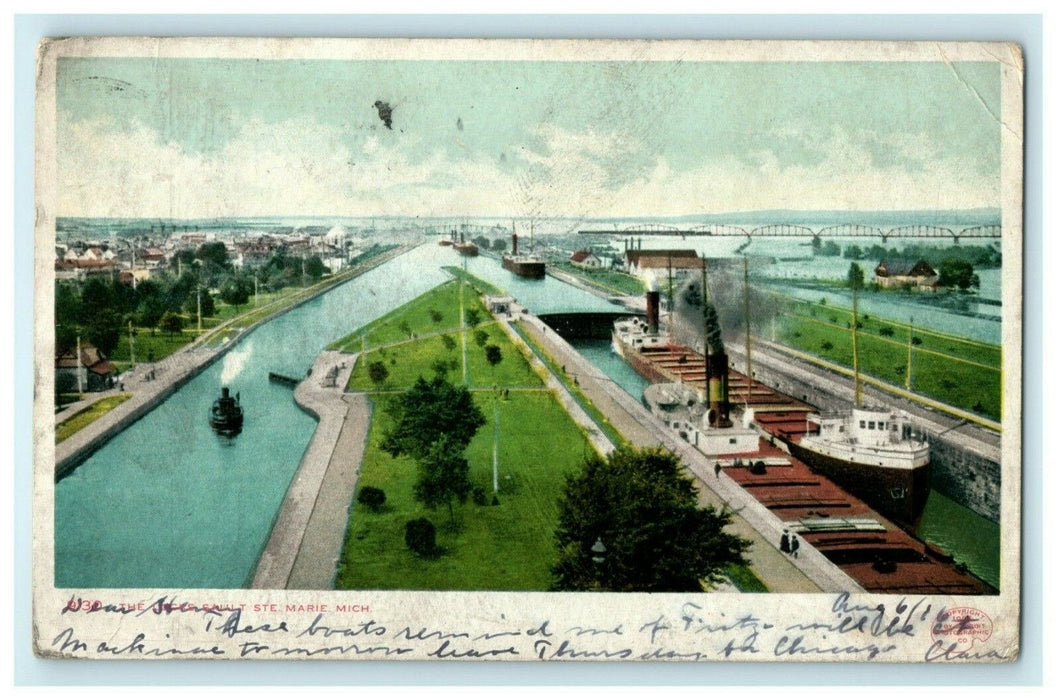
(166, 503)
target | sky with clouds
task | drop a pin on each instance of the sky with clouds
(197, 138)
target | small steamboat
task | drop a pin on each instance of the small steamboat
(226, 416)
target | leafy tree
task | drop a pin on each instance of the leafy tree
(855, 277)
(171, 323)
(214, 253)
(185, 256)
(421, 536)
(315, 267)
(493, 354)
(378, 372)
(500, 244)
(480, 336)
(828, 249)
(235, 291)
(150, 311)
(482, 242)
(104, 331)
(435, 315)
(957, 273)
(853, 252)
(448, 342)
(372, 497)
(443, 475)
(440, 367)
(429, 412)
(645, 511)
(206, 303)
(472, 316)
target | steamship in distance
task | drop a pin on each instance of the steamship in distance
(524, 265)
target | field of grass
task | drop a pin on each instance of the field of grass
(87, 415)
(504, 547)
(609, 280)
(955, 380)
(415, 318)
(407, 361)
(479, 285)
(603, 423)
(927, 340)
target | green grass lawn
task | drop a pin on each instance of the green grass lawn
(479, 285)
(87, 415)
(929, 340)
(966, 386)
(504, 547)
(406, 362)
(603, 423)
(610, 280)
(415, 318)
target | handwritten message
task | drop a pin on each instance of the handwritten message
(839, 630)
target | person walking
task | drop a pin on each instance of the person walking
(794, 545)
(785, 542)
(716, 469)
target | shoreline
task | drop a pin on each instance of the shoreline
(176, 370)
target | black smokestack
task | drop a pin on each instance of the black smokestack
(514, 241)
(225, 392)
(653, 303)
(716, 371)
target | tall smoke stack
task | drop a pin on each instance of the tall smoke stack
(716, 363)
(653, 303)
(513, 240)
(461, 237)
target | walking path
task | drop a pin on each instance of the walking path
(810, 572)
(323, 397)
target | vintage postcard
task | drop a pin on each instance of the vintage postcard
(528, 350)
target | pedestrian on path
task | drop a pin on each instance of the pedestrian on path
(716, 469)
(785, 542)
(794, 545)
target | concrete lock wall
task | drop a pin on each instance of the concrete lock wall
(967, 478)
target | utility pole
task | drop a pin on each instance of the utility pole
(856, 358)
(79, 366)
(495, 446)
(909, 368)
(132, 348)
(749, 351)
(199, 312)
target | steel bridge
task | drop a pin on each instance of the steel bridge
(798, 231)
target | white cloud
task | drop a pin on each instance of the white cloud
(300, 167)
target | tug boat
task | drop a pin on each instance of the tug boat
(226, 415)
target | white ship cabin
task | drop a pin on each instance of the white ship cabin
(869, 427)
(635, 333)
(680, 408)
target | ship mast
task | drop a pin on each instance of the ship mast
(670, 299)
(746, 310)
(705, 330)
(856, 359)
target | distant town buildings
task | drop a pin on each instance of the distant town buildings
(587, 260)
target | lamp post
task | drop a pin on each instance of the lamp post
(495, 446)
(598, 557)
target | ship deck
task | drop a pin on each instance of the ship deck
(875, 552)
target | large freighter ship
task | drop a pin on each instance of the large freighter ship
(527, 265)
(872, 453)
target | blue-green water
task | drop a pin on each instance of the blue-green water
(167, 503)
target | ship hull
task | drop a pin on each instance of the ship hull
(469, 250)
(522, 268)
(898, 494)
(636, 360)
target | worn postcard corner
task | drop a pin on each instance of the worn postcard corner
(528, 350)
